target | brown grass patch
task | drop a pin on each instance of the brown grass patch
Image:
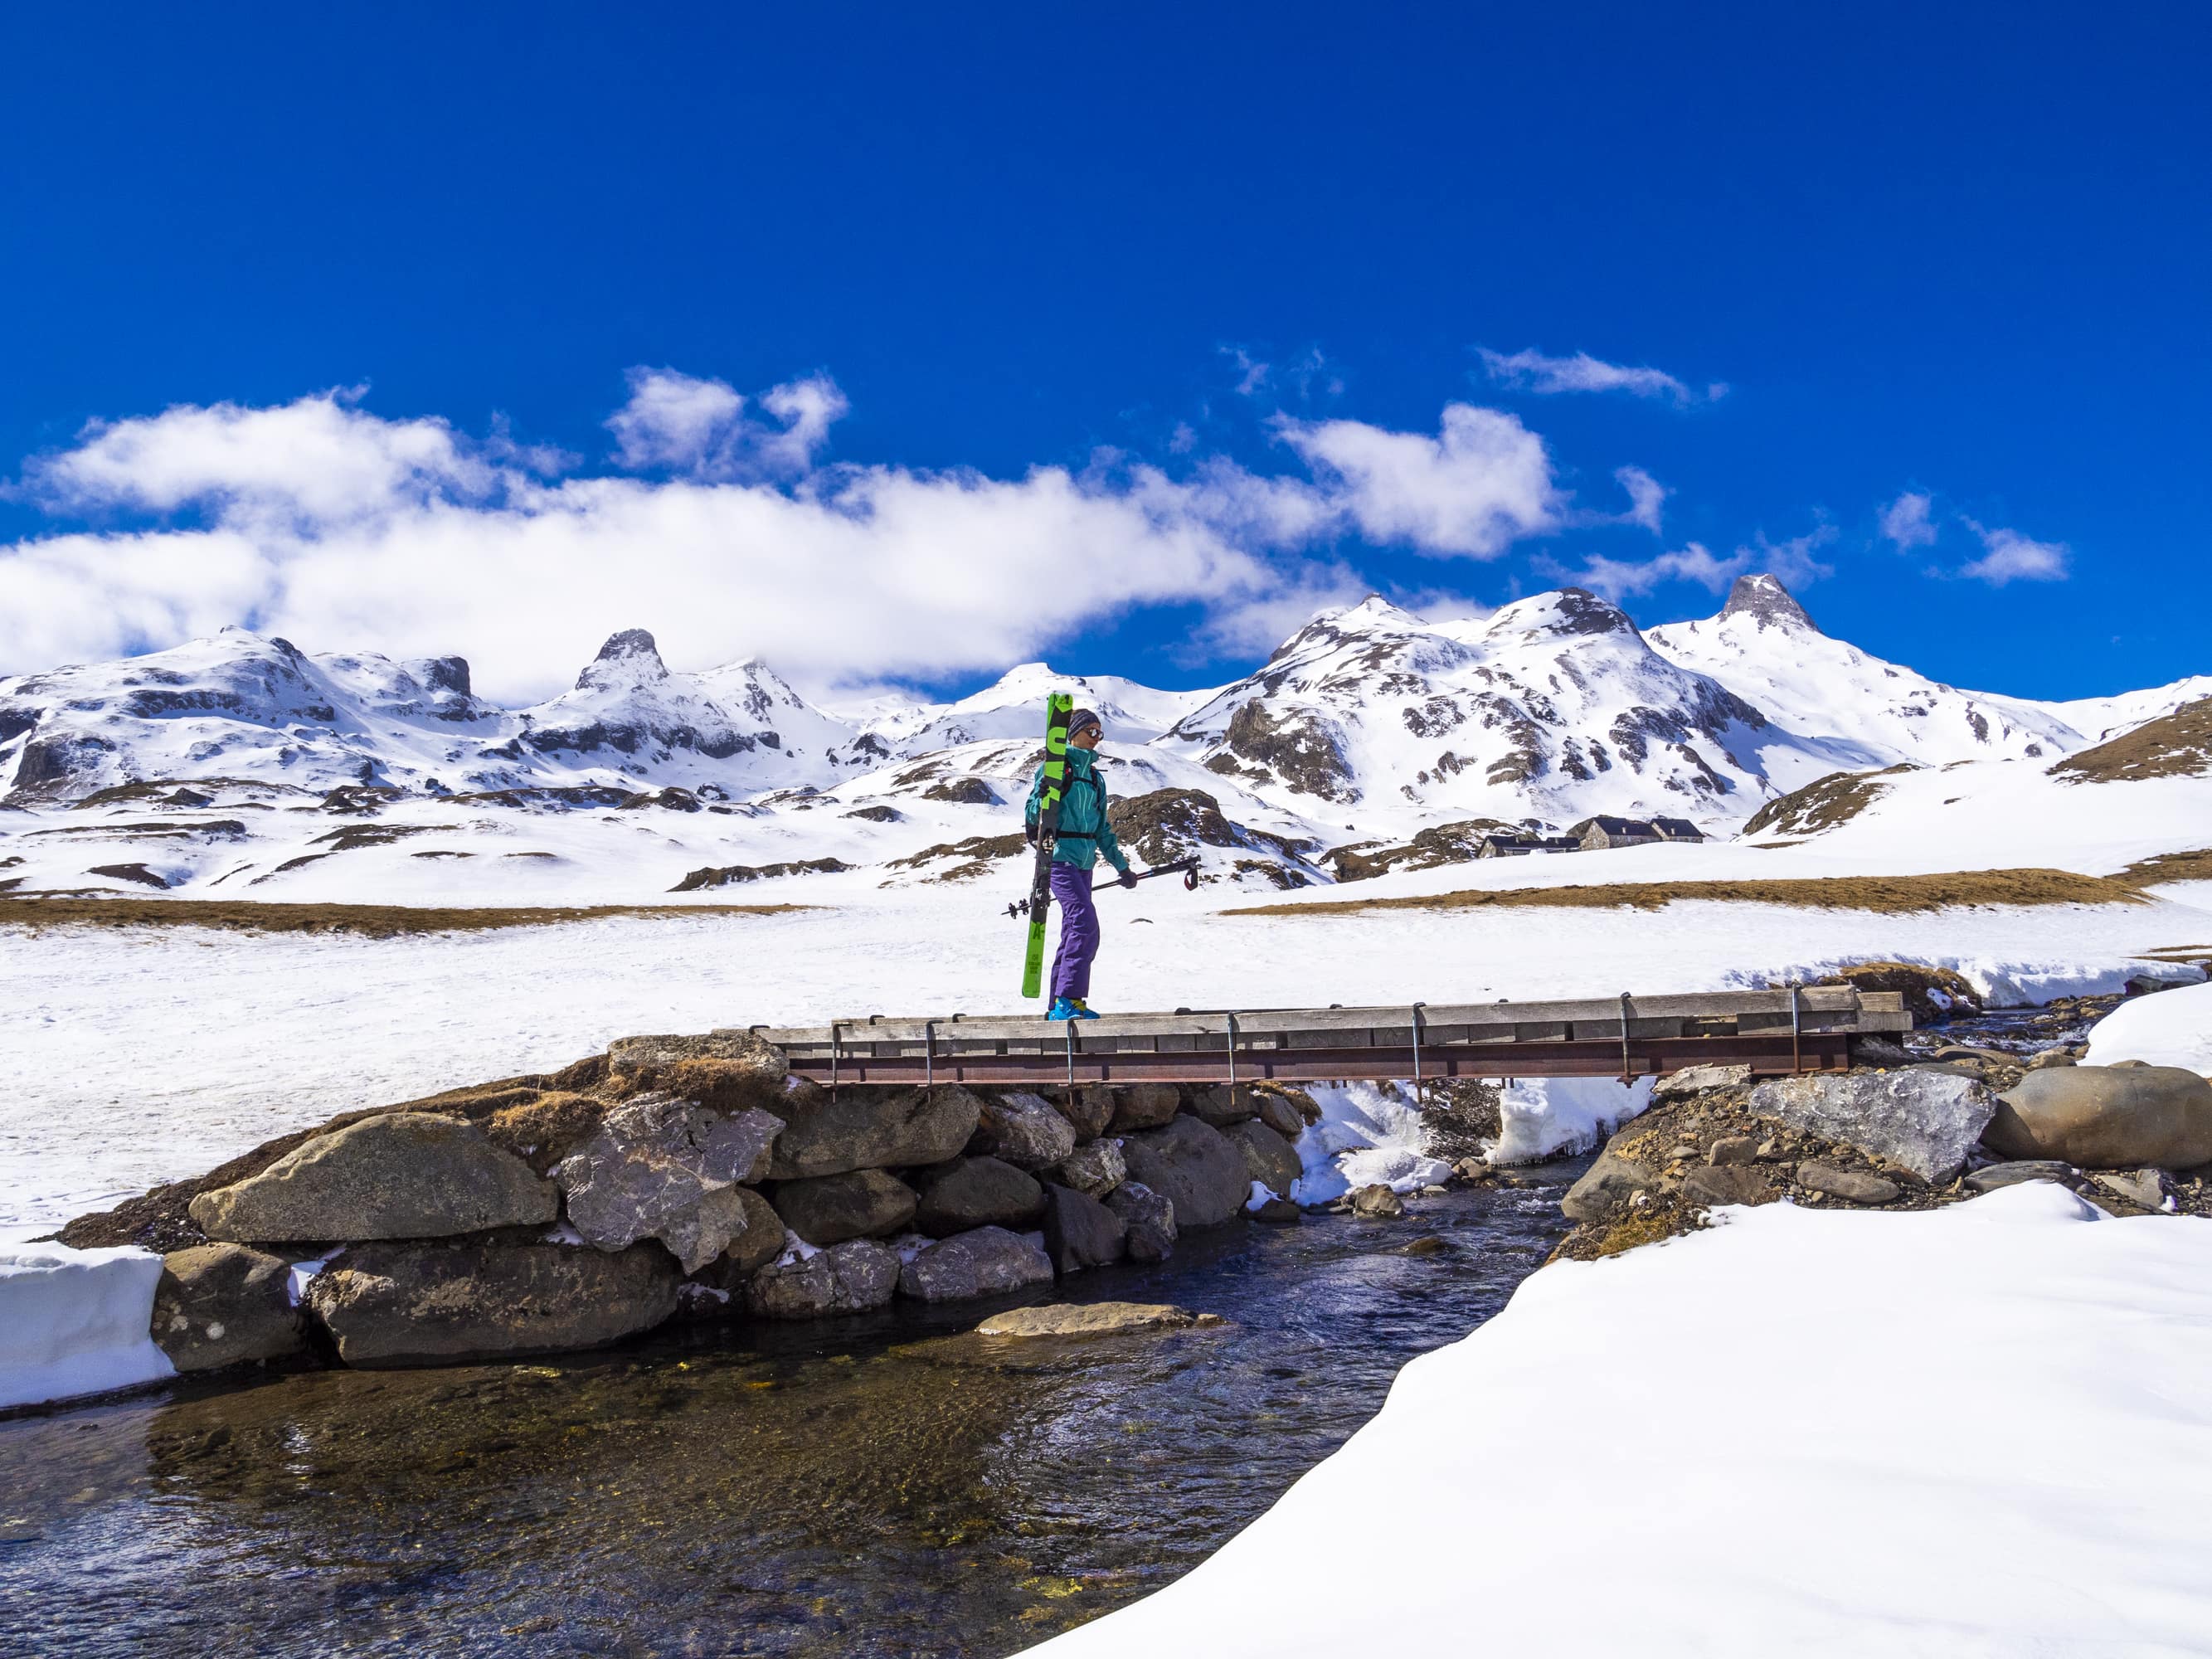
(2175, 746)
(1889, 895)
(2170, 866)
(1825, 804)
(369, 921)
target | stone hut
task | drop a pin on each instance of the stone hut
(1677, 829)
(1598, 832)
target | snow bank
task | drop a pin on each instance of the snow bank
(2168, 1028)
(1369, 1133)
(1975, 1431)
(1540, 1117)
(75, 1321)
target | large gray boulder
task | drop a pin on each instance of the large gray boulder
(1194, 1166)
(1090, 1110)
(1080, 1232)
(401, 1175)
(1150, 1218)
(1852, 1186)
(872, 1129)
(1696, 1079)
(2107, 1117)
(1145, 1106)
(742, 1048)
(1605, 1189)
(1268, 1159)
(757, 1239)
(1096, 1167)
(856, 1277)
(1221, 1105)
(704, 1231)
(1923, 1121)
(1727, 1183)
(221, 1304)
(1279, 1110)
(653, 1161)
(986, 1261)
(1092, 1319)
(977, 1191)
(859, 1204)
(1025, 1131)
(429, 1304)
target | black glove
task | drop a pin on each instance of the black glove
(1031, 831)
(1128, 879)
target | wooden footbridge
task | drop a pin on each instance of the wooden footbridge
(1775, 1033)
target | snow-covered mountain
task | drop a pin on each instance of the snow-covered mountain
(1552, 708)
(1370, 739)
(1867, 711)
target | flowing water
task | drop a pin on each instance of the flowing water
(874, 1488)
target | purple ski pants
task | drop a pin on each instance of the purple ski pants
(1079, 932)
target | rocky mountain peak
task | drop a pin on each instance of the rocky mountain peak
(1767, 603)
(1567, 613)
(627, 657)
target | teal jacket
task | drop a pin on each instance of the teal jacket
(1084, 831)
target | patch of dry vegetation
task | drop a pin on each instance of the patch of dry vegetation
(1888, 895)
(2175, 746)
(369, 920)
(2169, 866)
(1824, 804)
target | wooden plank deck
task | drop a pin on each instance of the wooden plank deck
(1774, 1032)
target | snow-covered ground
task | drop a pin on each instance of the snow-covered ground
(1978, 1431)
(76, 1322)
(142, 1056)
(2171, 1029)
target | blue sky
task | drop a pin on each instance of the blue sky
(1962, 253)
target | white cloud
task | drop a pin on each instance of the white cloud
(319, 459)
(1483, 483)
(344, 531)
(1906, 521)
(2009, 556)
(1617, 578)
(1532, 371)
(1647, 497)
(677, 423)
(1793, 562)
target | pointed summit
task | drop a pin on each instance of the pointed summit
(1565, 613)
(626, 658)
(1764, 599)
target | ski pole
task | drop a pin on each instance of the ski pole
(1188, 867)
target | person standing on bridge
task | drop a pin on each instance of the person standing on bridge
(1085, 835)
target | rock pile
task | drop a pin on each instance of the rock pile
(679, 1176)
(2133, 1140)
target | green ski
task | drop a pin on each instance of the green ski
(1057, 708)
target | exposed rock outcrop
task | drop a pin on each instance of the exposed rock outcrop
(222, 1304)
(828, 1210)
(1150, 1218)
(856, 1277)
(418, 1304)
(653, 1162)
(2107, 1117)
(977, 1191)
(986, 1261)
(403, 1175)
(1192, 1165)
(1079, 1231)
(1926, 1122)
(861, 1130)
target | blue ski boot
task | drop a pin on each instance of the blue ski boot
(1083, 1010)
(1064, 1008)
